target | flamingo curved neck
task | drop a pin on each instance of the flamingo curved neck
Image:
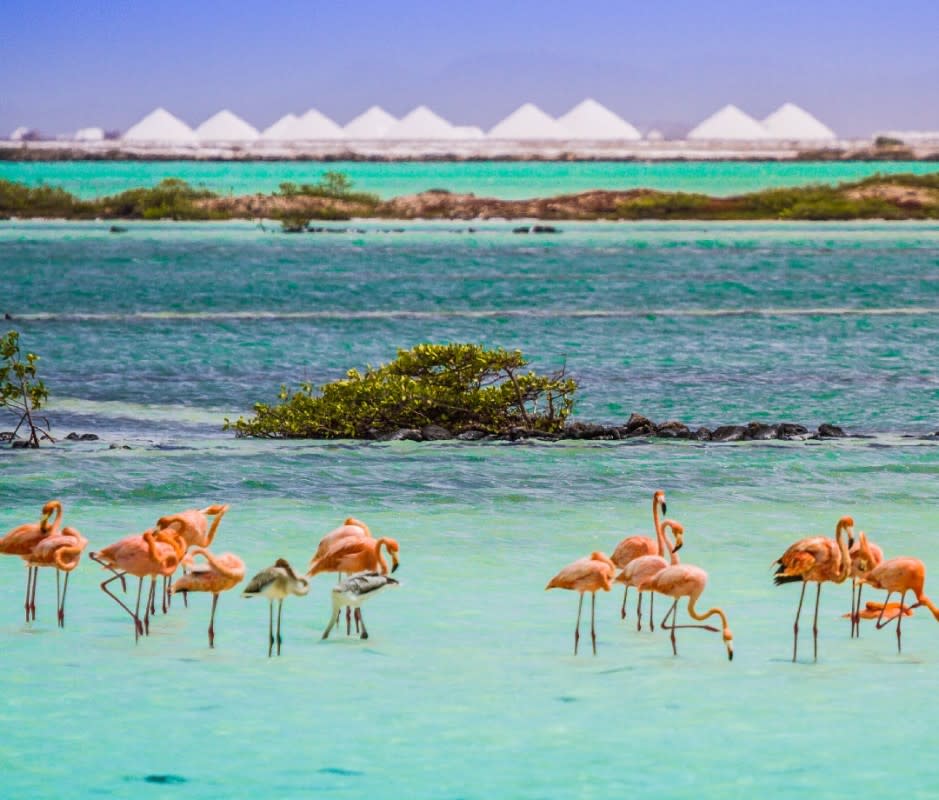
(659, 532)
(844, 568)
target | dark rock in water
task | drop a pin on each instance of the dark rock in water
(535, 229)
(340, 771)
(702, 435)
(435, 433)
(828, 431)
(73, 437)
(729, 433)
(760, 431)
(518, 434)
(587, 430)
(21, 443)
(673, 430)
(471, 435)
(6, 436)
(119, 447)
(89, 437)
(638, 425)
(789, 430)
(165, 779)
(117, 229)
(401, 435)
(8, 315)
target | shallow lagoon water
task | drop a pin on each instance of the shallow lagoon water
(467, 687)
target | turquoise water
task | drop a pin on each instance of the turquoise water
(505, 179)
(467, 687)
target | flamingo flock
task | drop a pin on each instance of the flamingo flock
(180, 542)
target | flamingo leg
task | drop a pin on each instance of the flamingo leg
(899, 618)
(639, 611)
(138, 628)
(270, 629)
(62, 607)
(280, 607)
(151, 596)
(673, 613)
(818, 595)
(29, 586)
(580, 605)
(880, 619)
(348, 620)
(854, 607)
(108, 567)
(593, 630)
(360, 619)
(212, 621)
(32, 596)
(795, 625)
(58, 599)
(165, 604)
(651, 606)
(623, 609)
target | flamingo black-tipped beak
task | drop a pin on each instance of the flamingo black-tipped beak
(394, 566)
(730, 655)
(664, 507)
(678, 546)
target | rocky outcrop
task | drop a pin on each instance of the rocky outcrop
(637, 426)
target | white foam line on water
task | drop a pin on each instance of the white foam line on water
(144, 316)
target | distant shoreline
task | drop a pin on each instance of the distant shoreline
(477, 151)
(298, 206)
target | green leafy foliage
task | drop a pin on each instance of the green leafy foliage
(456, 386)
(333, 186)
(169, 199)
(21, 392)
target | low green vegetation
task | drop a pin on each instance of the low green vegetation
(890, 197)
(456, 386)
(21, 392)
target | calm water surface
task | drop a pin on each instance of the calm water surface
(505, 179)
(467, 687)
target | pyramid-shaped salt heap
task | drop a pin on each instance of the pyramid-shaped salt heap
(529, 122)
(161, 126)
(371, 124)
(226, 127)
(791, 122)
(421, 123)
(591, 120)
(729, 123)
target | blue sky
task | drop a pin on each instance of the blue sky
(859, 66)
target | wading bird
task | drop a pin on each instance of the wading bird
(145, 555)
(819, 559)
(63, 551)
(687, 580)
(275, 583)
(353, 592)
(219, 574)
(903, 574)
(349, 550)
(640, 570)
(590, 574)
(633, 547)
(193, 526)
(23, 538)
(861, 564)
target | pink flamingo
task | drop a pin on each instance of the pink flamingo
(590, 574)
(193, 526)
(22, 539)
(633, 547)
(639, 570)
(145, 555)
(350, 529)
(861, 564)
(819, 559)
(62, 551)
(686, 580)
(903, 574)
(219, 574)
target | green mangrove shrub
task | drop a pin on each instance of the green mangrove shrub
(21, 391)
(457, 386)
